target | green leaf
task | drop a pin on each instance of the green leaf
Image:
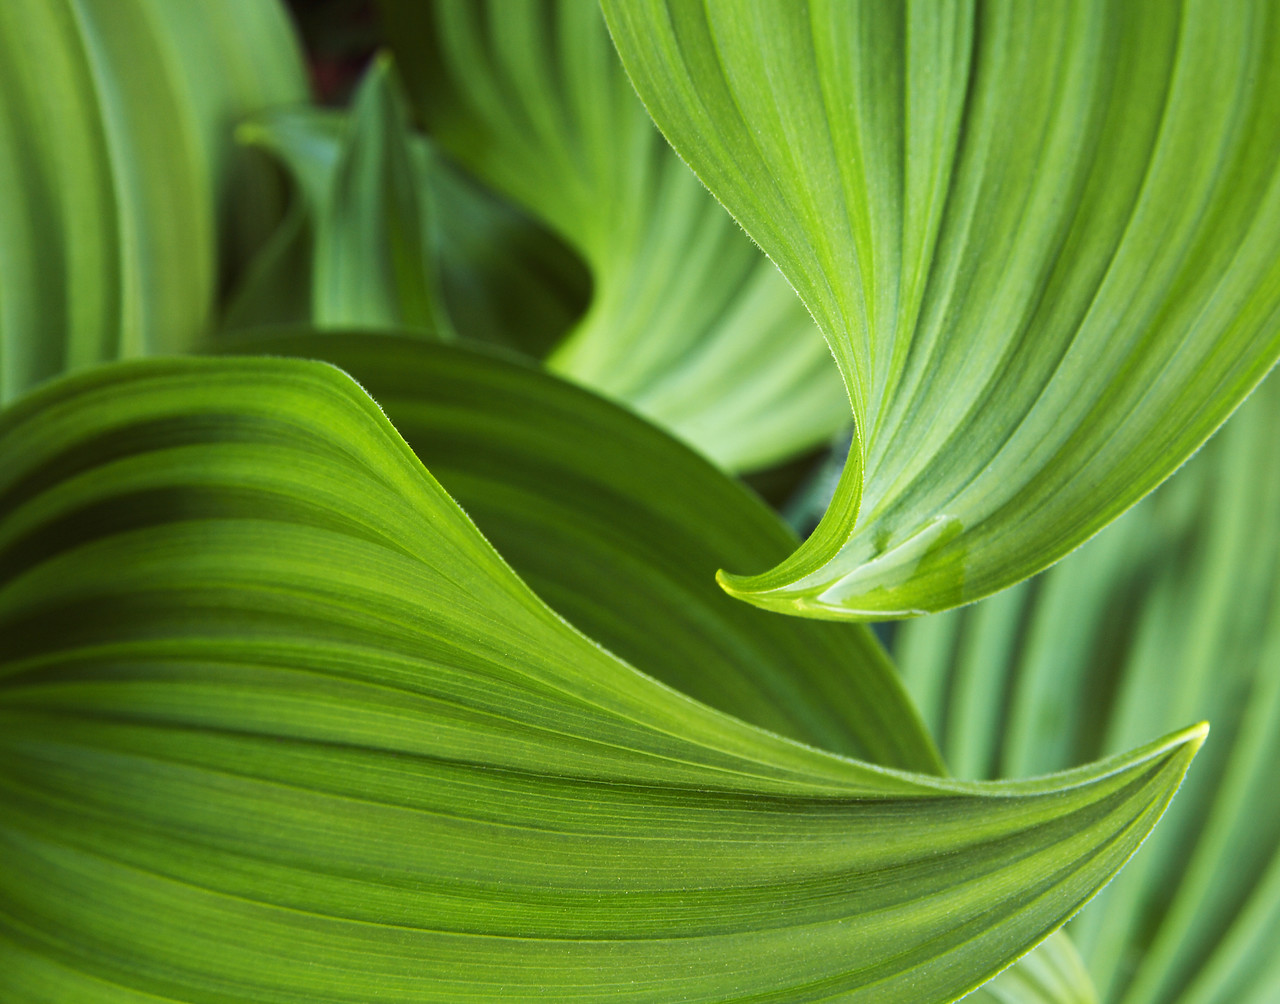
(548, 471)
(1052, 974)
(1042, 240)
(374, 222)
(689, 324)
(467, 260)
(373, 240)
(620, 529)
(280, 725)
(120, 191)
(1171, 613)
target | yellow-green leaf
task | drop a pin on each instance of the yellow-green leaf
(278, 724)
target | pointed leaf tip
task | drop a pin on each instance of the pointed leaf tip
(266, 693)
(1042, 241)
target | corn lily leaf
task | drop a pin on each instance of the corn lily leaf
(620, 529)
(374, 224)
(547, 470)
(1043, 242)
(413, 244)
(120, 193)
(374, 231)
(688, 323)
(1171, 612)
(280, 725)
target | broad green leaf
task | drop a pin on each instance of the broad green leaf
(689, 323)
(280, 725)
(547, 471)
(1042, 240)
(120, 191)
(467, 260)
(1170, 613)
(620, 529)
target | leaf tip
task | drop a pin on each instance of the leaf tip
(1192, 738)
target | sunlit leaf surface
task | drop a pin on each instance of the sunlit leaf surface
(1042, 240)
(620, 528)
(547, 471)
(277, 724)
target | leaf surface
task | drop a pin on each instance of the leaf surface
(279, 724)
(1172, 612)
(1042, 241)
(688, 323)
(120, 193)
(547, 471)
(386, 234)
(620, 529)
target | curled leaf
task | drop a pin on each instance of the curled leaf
(1042, 241)
(278, 723)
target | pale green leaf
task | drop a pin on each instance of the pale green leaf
(280, 725)
(1042, 240)
(120, 192)
(689, 323)
(1052, 974)
(1172, 612)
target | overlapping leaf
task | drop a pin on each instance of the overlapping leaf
(1172, 612)
(547, 471)
(1052, 974)
(621, 530)
(1042, 240)
(386, 234)
(278, 724)
(688, 323)
(116, 171)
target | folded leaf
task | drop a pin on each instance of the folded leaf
(1042, 240)
(620, 529)
(466, 260)
(373, 245)
(117, 171)
(374, 223)
(689, 323)
(1171, 613)
(278, 724)
(547, 470)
